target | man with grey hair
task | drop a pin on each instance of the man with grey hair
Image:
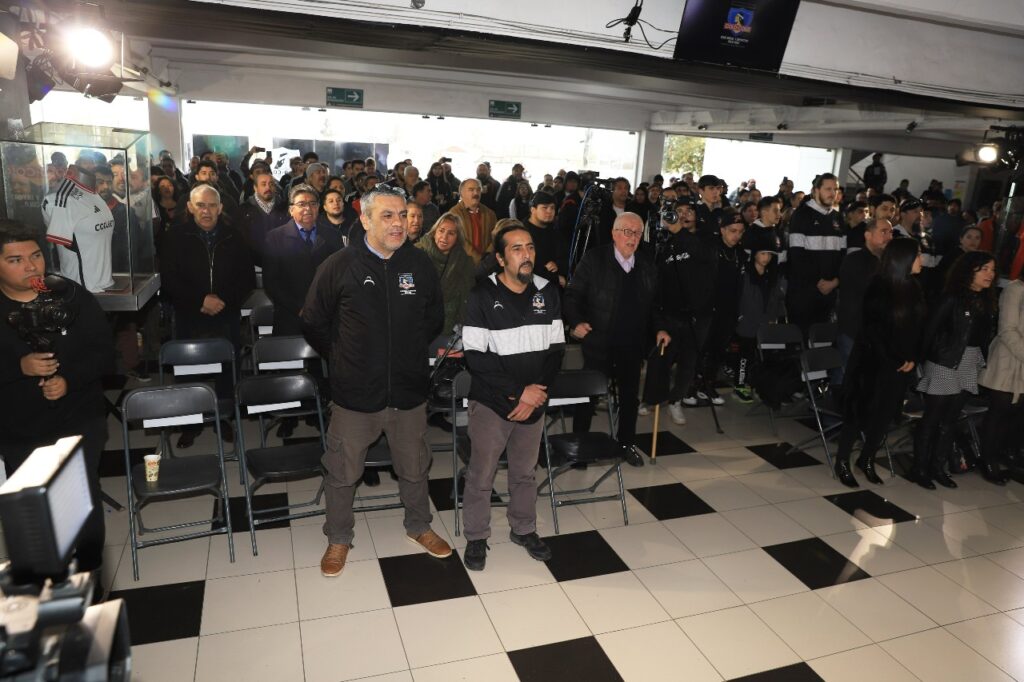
(388, 296)
(478, 221)
(410, 178)
(316, 176)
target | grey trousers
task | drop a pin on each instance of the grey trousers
(348, 438)
(490, 435)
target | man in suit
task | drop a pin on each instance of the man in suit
(478, 221)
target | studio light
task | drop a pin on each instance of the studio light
(89, 47)
(988, 153)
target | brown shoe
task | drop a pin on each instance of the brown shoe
(432, 544)
(333, 561)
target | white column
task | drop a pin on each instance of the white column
(165, 130)
(841, 164)
(650, 155)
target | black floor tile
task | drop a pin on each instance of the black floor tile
(441, 493)
(869, 507)
(420, 578)
(671, 501)
(112, 461)
(809, 422)
(815, 563)
(114, 382)
(582, 555)
(668, 443)
(799, 672)
(240, 517)
(163, 612)
(775, 454)
(299, 440)
(576, 659)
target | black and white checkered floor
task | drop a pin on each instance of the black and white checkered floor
(737, 563)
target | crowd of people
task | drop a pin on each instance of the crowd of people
(373, 265)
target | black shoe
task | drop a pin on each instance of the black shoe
(392, 474)
(227, 434)
(922, 479)
(437, 419)
(868, 467)
(632, 455)
(993, 474)
(535, 547)
(187, 438)
(286, 428)
(475, 556)
(371, 477)
(844, 475)
(943, 479)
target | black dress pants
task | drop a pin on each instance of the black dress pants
(622, 366)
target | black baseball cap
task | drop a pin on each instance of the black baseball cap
(541, 199)
(910, 204)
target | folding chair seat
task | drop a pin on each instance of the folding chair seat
(822, 335)
(261, 321)
(157, 406)
(563, 450)
(203, 360)
(292, 354)
(259, 396)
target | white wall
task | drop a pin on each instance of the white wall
(61, 106)
(735, 161)
(920, 171)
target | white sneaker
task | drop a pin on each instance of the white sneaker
(643, 410)
(716, 398)
(676, 410)
(691, 400)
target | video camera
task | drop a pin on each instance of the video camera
(40, 321)
(48, 630)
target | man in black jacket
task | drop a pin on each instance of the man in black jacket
(47, 395)
(709, 210)
(261, 213)
(816, 246)
(513, 339)
(372, 310)
(294, 252)
(608, 306)
(857, 270)
(551, 256)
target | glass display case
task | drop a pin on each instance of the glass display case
(94, 227)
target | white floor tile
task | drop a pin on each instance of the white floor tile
(754, 576)
(776, 486)
(687, 588)
(993, 583)
(740, 461)
(1008, 518)
(1011, 559)
(496, 668)
(533, 616)
(170, 661)
(309, 544)
(445, 631)
(820, 516)
(275, 554)
(856, 665)
(726, 493)
(998, 638)
(608, 514)
(766, 525)
(509, 567)
(298, 496)
(249, 601)
(691, 467)
(717, 634)
(570, 519)
(928, 544)
(936, 596)
(270, 654)
(351, 647)
(659, 652)
(614, 602)
(937, 656)
(921, 502)
(390, 539)
(809, 625)
(360, 587)
(879, 612)
(872, 550)
(708, 534)
(818, 479)
(974, 531)
(163, 564)
(646, 544)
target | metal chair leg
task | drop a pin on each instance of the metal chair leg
(622, 493)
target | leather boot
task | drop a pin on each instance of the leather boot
(944, 479)
(992, 473)
(919, 477)
(867, 465)
(845, 476)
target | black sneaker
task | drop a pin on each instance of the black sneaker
(535, 547)
(475, 556)
(632, 455)
(371, 477)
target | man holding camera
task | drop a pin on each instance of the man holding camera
(48, 393)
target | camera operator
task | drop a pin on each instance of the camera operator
(47, 395)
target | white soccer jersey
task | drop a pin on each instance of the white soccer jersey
(77, 218)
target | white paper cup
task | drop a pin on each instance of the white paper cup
(152, 467)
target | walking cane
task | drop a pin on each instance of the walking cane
(654, 431)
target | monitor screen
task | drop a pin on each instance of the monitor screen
(751, 34)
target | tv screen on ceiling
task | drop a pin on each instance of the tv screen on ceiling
(751, 34)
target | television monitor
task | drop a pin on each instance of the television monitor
(751, 34)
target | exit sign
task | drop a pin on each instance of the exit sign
(345, 97)
(499, 108)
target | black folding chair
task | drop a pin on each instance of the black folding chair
(822, 335)
(261, 321)
(775, 339)
(815, 365)
(158, 406)
(565, 449)
(258, 396)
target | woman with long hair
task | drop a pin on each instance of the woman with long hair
(1004, 379)
(455, 267)
(165, 198)
(957, 338)
(884, 355)
(519, 207)
(439, 186)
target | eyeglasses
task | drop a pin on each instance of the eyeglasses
(629, 234)
(305, 204)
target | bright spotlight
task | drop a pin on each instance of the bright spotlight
(988, 153)
(89, 47)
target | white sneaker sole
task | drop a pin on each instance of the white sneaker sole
(424, 549)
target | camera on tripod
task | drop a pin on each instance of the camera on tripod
(48, 629)
(49, 315)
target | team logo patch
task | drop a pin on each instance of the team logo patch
(739, 21)
(369, 280)
(406, 284)
(538, 304)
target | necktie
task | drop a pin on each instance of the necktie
(308, 236)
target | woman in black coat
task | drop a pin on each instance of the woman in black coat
(883, 358)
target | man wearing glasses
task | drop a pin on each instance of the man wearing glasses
(608, 306)
(372, 310)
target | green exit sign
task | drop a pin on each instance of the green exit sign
(345, 97)
(499, 108)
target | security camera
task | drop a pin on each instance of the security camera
(417, 4)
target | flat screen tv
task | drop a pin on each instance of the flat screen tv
(751, 34)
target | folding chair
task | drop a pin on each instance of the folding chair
(259, 396)
(822, 335)
(815, 365)
(203, 359)
(189, 476)
(565, 449)
(261, 321)
(772, 338)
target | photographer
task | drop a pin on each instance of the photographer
(47, 395)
